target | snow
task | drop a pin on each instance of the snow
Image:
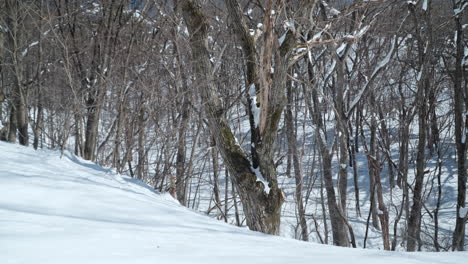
(465, 59)
(255, 109)
(282, 38)
(386, 60)
(418, 78)
(141, 68)
(300, 50)
(289, 24)
(460, 9)
(362, 31)
(340, 49)
(261, 179)
(463, 138)
(25, 51)
(330, 69)
(381, 65)
(335, 12)
(424, 5)
(463, 212)
(316, 37)
(67, 210)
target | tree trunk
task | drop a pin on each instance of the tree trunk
(185, 94)
(214, 158)
(141, 141)
(425, 57)
(339, 228)
(262, 210)
(39, 121)
(341, 123)
(382, 209)
(459, 232)
(19, 117)
(414, 222)
(91, 132)
(292, 146)
(12, 124)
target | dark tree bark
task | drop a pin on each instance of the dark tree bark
(185, 94)
(460, 107)
(19, 114)
(214, 159)
(141, 140)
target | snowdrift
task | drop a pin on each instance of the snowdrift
(62, 209)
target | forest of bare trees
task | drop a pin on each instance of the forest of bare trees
(336, 119)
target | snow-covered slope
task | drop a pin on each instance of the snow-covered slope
(65, 210)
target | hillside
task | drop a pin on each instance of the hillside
(57, 209)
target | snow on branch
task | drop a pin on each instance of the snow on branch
(26, 50)
(374, 74)
(253, 105)
(331, 10)
(301, 49)
(460, 7)
(424, 5)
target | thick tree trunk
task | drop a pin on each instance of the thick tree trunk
(141, 141)
(214, 159)
(262, 210)
(39, 121)
(91, 131)
(341, 123)
(2, 95)
(339, 227)
(185, 94)
(459, 232)
(11, 137)
(338, 224)
(19, 117)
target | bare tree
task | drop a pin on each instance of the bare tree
(460, 107)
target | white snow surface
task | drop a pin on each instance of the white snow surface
(57, 209)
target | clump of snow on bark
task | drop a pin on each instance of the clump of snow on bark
(261, 179)
(460, 9)
(253, 105)
(463, 212)
(341, 49)
(424, 5)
